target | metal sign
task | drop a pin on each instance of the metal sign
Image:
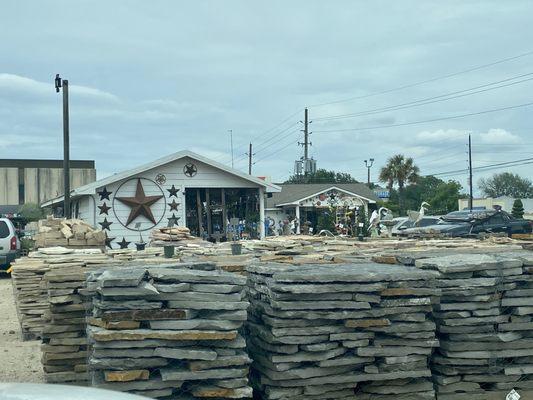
(513, 395)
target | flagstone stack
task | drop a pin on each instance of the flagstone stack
(29, 286)
(327, 332)
(484, 323)
(64, 348)
(169, 331)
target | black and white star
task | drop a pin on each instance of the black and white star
(123, 243)
(106, 224)
(190, 170)
(173, 191)
(104, 208)
(104, 194)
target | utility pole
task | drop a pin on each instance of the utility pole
(63, 83)
(471, 198)
(306, 135)
(231, 143)
(250, 155)
(368, 165)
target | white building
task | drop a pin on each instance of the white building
(307, 201)
(183, 188)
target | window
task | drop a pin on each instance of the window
(4, 230)
(497, 219)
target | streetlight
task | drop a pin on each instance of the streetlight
(63, 83)
(368, 165)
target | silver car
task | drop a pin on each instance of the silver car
(9, 243)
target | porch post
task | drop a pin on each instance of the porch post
(297, 212)
(261, 213)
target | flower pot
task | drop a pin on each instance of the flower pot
(168, 251)
(236, 249)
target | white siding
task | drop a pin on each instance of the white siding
(206, 177)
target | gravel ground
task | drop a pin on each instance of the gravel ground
(19, 361)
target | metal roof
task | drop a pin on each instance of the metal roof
(294, 193)
(36, 163)
(91, 188)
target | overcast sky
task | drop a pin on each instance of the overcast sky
(149, 78)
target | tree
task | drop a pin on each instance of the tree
(30, 212)
(443, 196)
(506, 184)
(399, 171)
(518, 209)
(322, 176)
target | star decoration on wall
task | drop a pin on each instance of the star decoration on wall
(140, 204)
(173, 191)
(123, 243)
(173, 206)
(106, 224)
(108, 241)
(173, 220)
(104, 194)
(190, 170)
(104, 208)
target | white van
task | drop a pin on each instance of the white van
(9, 243)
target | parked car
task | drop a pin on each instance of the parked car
(406, 225)
(471, 223)
(39, 391)
(9, 243)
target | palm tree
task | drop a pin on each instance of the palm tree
(399, 170)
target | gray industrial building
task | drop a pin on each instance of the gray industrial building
(36, 181)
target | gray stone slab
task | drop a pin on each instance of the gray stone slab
(185, 353)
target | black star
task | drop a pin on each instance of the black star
(173, 191)
(105, 224)
(108, 241)
(104, 194)
(123, 244)
(173, 220)
(104, 208)
(173, 205)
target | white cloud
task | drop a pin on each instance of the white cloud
(452, 135)
(499, 136)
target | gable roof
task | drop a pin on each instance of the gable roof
(90, 188)
(293, 193)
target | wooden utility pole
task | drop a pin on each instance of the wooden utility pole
(471, 198)
(250, 155)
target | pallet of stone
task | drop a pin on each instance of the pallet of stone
(327, 332)
(74, 233)
(484, 323)
(64, 343)
(29, 288)
(171, 331)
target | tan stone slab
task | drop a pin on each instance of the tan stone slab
(142, 334)
(366, 323)
(127, 376)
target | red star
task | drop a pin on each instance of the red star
(140, 204)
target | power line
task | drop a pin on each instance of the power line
(430, 100)
(276, 151)
(427, 120)
(476, 68)
(506, 164)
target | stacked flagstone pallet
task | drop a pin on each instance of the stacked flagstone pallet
(327, 332)
(64, 348)
(485, 324)
(169, 331)
(73, 233)
(29, 286)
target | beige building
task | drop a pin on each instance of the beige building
(506, 204)
(36, 181)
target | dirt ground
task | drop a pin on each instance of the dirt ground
(19, 361)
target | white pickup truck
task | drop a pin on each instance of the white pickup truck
(9, 243)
